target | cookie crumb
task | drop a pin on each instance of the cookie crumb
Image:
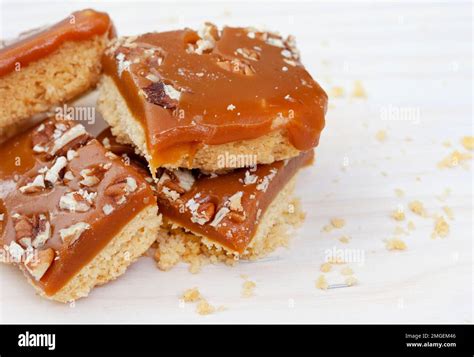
(321, 283)
(417, 208)
(325, 267)
(359, 91)
(449, 212)
(191, 295)
(248, 288)
(441, 228)
(381, 135)
(398, 215)
(468, 142)
(337, 92)
(204, 308)
(344, 239)
(396, 244)
(337, 222)
(411, 226)
(454, 159)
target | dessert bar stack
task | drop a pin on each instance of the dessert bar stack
(207, 132)
(225, 118)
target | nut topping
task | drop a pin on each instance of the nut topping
(220, 216)
(120, 189)
(235, 202)
(36, 185)
(77, 201)
(15, 251)
(38, 265)
(68, 140)
(52, 175)
(24, 228)
(237, 217)
(206, 210)
(71, 234)
(37, 229)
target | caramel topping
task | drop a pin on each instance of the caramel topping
(79, 26)
(188, 88)
(226, 208)
(63, 208)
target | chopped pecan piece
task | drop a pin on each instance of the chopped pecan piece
(206, 211)
(161, 94)
(71, 234)
(38, 264)
(34, 186)
(69, 140)
(237, 217)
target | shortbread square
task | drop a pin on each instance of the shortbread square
(73, 215)
(47, 67)
(188, 99)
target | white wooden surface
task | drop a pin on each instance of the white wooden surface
(407, 54)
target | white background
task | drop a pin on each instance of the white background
(408, 55)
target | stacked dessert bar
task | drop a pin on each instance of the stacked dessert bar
(208, 130)
(225, 119)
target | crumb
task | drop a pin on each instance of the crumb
(399, 192)
(447, 144)
(344, 239)
(396, 244)
(441, 228)
(204, 308)
(321, 283)
(351, 281)
(417, 208)
(398, 215)
(244, 276)
(411, 226)
(248, 288)
(399, 230)
(337, 92)
(325, 267)
(381, 135)
(454, 159)
(468, 142)
(327, 228)
(359, 91)
(337, 222)
(337, 260)
(346, 271)
(449, 212)
(191, 295)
